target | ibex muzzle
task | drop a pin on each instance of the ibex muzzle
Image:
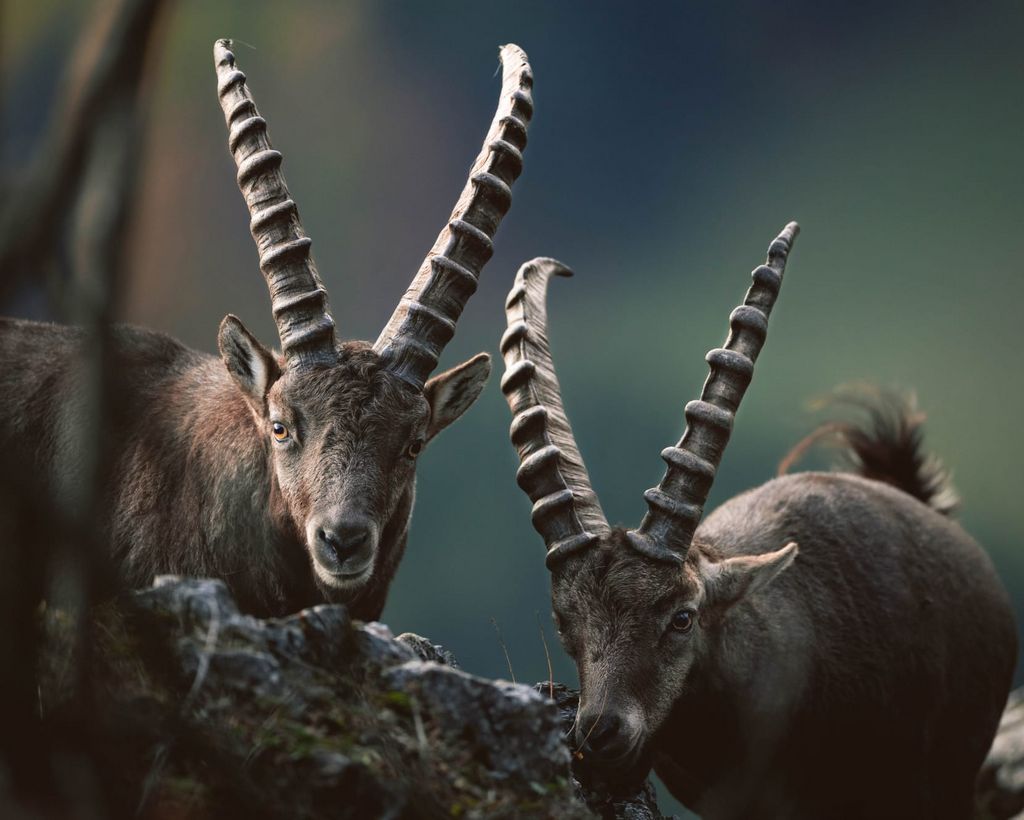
(861, 674)
(291, 476)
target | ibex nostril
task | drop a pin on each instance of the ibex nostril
(350, 537)
(603, 735)
(328, 541)
(338, 542)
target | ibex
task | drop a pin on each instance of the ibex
(859, 674)
(290, 476)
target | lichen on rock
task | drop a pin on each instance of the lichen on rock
(312, 715)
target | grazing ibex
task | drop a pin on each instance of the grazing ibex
(289, 476)
(861, 674)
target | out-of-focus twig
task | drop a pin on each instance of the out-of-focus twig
(78, 194)
(504, 648)
(99, 231)
(107, 66)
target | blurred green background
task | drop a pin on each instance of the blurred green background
(670, 143)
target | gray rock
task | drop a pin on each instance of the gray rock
(213, 712)
(377, 645)
(427, 651)
(513, 731)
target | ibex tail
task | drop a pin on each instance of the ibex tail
(885, 443)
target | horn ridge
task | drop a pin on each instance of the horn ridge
(566, 511)
(412, 341)
(676, 505)
(297, 295)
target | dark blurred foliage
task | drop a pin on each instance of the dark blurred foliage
(671, 141)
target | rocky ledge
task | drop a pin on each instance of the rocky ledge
(206, 712)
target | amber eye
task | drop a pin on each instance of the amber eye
(280, 431)
(682, 621)
(414, 449)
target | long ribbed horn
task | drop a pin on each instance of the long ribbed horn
(566, 511)
(425, 318)
(675, 506)
(297, 296)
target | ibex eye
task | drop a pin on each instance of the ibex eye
(280, 431)
(414, 449)
(682, 621)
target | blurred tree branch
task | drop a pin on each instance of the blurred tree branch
(108, 70)
(78, 194)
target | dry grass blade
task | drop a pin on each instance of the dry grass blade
(504, 648)
(547, 657)
(578, 753)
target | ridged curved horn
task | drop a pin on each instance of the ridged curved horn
(675, 506)
(425, 318)
(566, 511)
(297, 296)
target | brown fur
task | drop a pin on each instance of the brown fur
(864, 680)
(200, 487)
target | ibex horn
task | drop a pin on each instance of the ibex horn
(297, 296)
(566, 511)
(425, 318)
(675, 506)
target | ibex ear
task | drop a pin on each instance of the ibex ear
(250, 364)
(451, 393)
(726, 582)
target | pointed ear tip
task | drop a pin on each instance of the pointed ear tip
(230, 325)
(480, 363)
(485, 364)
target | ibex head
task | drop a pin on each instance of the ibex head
(637, 609)
(344, 422)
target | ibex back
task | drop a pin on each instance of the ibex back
(826, 645)
(290, 476)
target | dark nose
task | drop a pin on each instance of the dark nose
(337, 542)
(603, 738)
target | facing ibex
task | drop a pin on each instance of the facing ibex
(861, 674)
(289, 476)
